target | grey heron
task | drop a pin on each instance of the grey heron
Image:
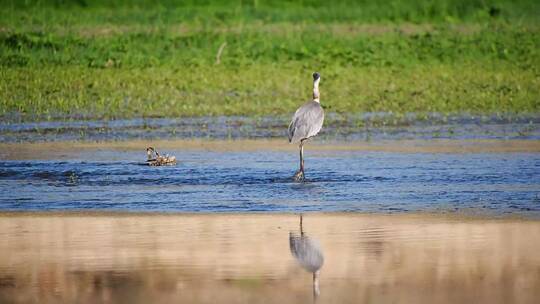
(307, 121)
(308, 254)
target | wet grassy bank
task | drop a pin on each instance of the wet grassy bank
(127, 59)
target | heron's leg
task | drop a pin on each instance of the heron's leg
(302, 156)
(301, 228)
(299, 175)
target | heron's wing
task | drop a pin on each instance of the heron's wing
(306, 251)
(291, 128)
(307, 121)
(292, 125)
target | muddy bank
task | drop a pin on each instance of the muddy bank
(64, 150)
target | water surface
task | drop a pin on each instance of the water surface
(366, 126)
(247, 181)
(246, 258)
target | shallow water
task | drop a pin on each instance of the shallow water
(243, 254)
(237, 181)
(246, 258)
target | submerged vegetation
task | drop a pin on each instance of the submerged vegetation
(117, 59)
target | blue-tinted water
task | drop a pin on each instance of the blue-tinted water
(366, 126)
(206, 181)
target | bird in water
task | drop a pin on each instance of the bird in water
(308, 254)
(156, 159)
(307, 121)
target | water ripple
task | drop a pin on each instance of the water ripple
(240, 181)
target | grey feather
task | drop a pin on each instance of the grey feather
(307, 121)
(307, 252)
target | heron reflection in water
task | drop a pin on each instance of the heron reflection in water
(308, 254)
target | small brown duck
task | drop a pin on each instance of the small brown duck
(155, 159)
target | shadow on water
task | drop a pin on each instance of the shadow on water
(308, 254)
(245, 258)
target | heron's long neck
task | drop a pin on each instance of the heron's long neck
(316, 289)
(316, 96)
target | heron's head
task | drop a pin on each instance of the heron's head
(316, 79)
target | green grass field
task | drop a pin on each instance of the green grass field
(121, 59)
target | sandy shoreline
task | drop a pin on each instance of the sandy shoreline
(57, 150)
(434, 215)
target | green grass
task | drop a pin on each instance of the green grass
(117, 59)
